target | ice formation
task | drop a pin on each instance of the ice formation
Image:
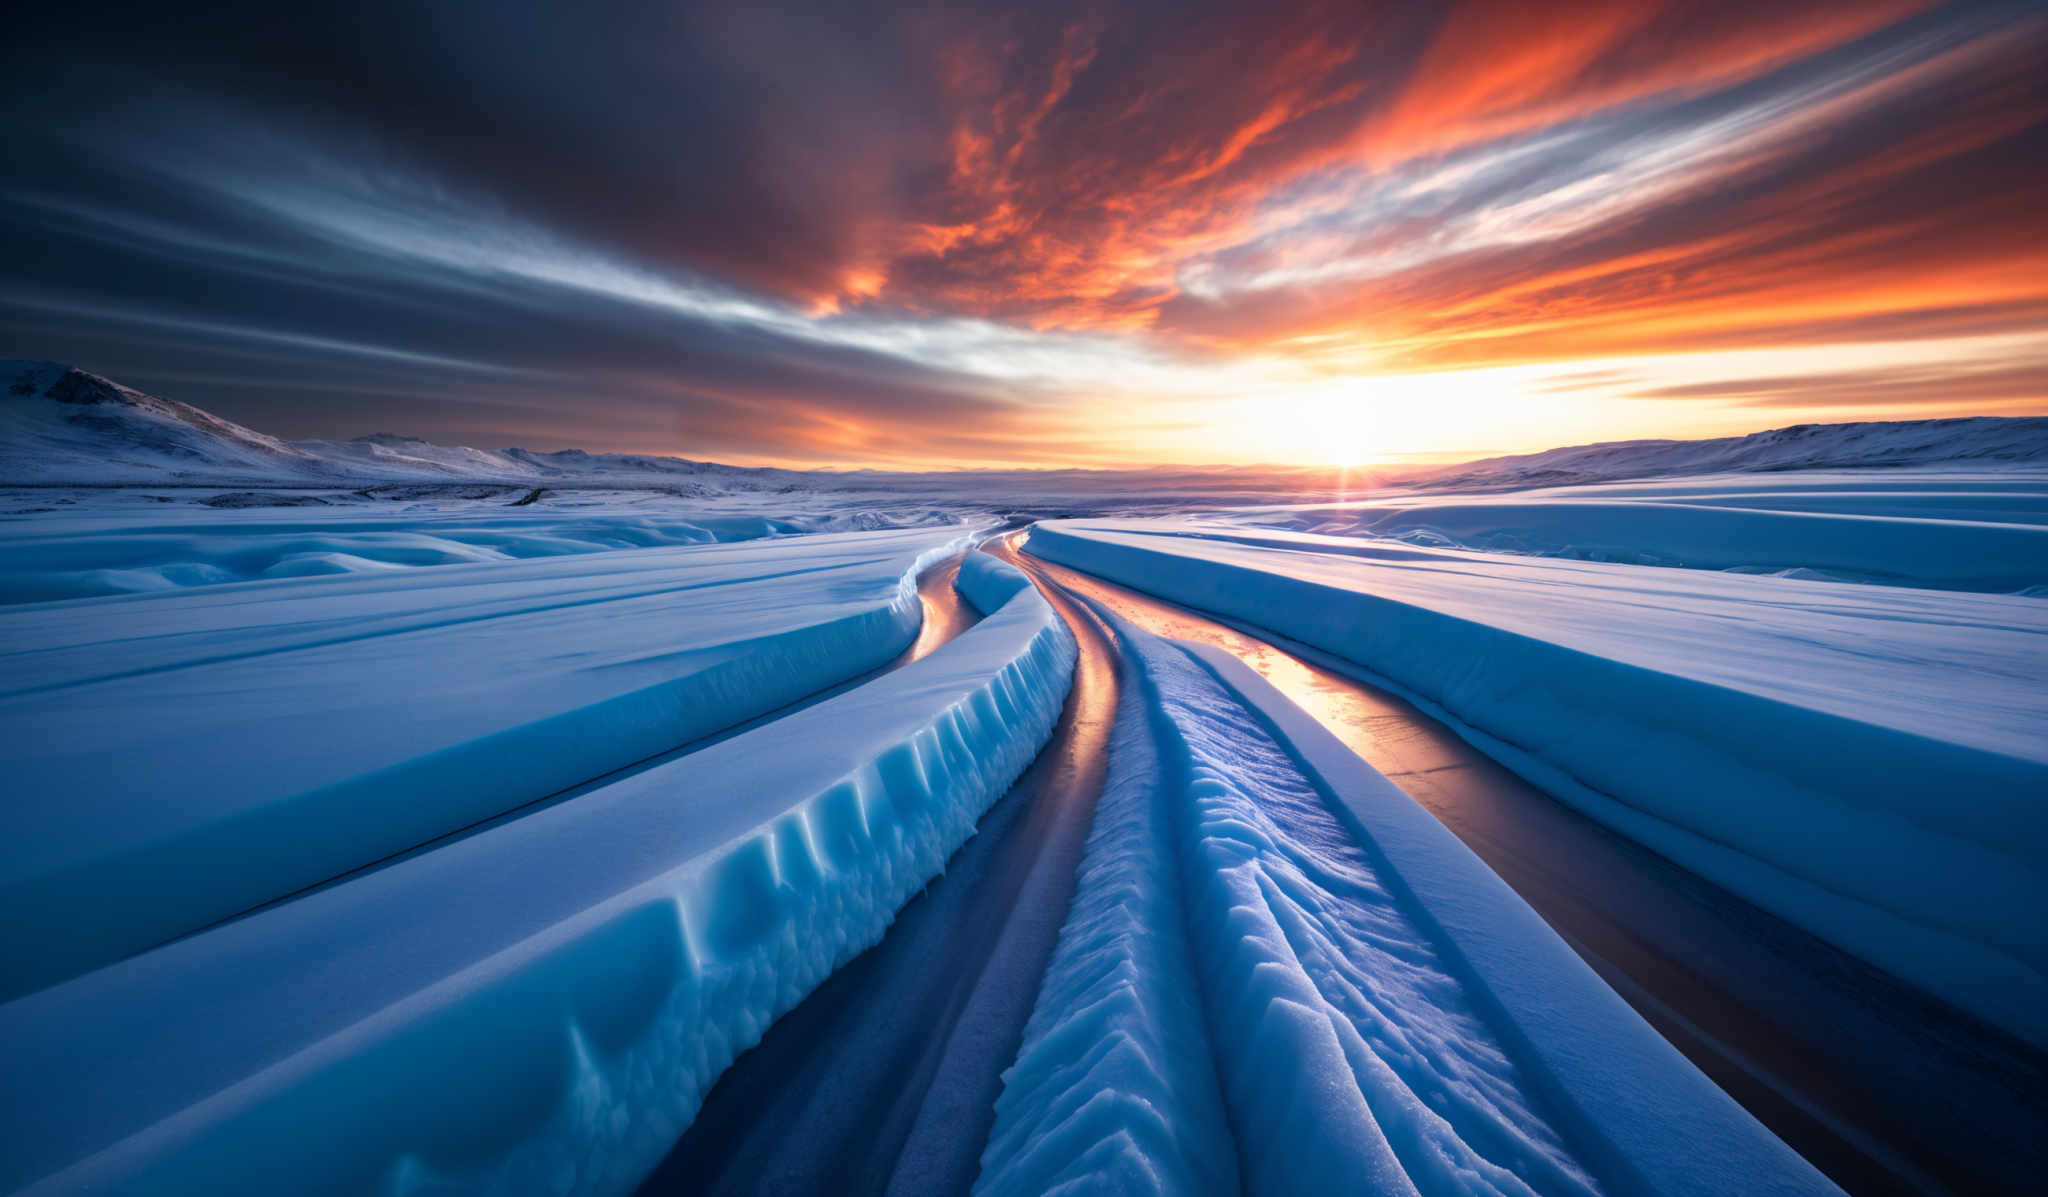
(1864, 762)
(539, 1005)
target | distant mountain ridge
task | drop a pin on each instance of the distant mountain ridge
(1873, 443)
(60, 425)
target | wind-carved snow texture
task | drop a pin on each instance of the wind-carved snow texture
(1114, 1088)
(1224, 913)
(1949, 529)
(198, 753)
(540, 1005)
(1863, 762)
(53, 558)
(1280, 975)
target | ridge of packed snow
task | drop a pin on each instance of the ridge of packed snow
(1802, 744)
(50, 559)
(1114, 1085)
(1253, 892)
(1640, 1112)
(543, 1003)
(264, 737)
(1953, 530)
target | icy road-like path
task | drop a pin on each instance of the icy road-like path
(843, 1094)
(1884, 1088)
(885, 1079)
(1279, 975)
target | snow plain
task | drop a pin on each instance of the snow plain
(1864, 761)
(1939, 527)
(540, 1005)
(186, 755)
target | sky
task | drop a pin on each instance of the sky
(848, 233)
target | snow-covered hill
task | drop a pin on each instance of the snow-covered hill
(63, 425)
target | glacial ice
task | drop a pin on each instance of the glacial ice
(1864, 762)
(182, 757)
(539, 1005)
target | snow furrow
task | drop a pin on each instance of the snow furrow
(1630, 1107)
(1114, 1088)
(53, 558)
(541, 1005)
(1224, 921)
(1859, 762)
(1252, 993)
(1308, 956)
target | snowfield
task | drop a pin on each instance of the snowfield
(90, 553)
(538, 1006)
(198, 752)
(1866, 762)
(1944, 528)
(387, 817)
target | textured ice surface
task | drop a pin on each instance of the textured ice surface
(174, 759)
(540, 1005)
(1251, 995)
(1114, 1087)
(1866, 762)
(1946, 528)
(119, 543)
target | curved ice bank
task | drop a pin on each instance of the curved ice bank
(539, 1006)
(74, 556)
(1866, 764)
(1280, 975)
(176, 759)
(1717, 532)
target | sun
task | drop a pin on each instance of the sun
(1333, 428)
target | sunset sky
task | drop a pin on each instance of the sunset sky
(852, 233)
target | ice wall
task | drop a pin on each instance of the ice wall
(538, 1006)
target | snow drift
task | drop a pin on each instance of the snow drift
(1954, 530)
(48, 559)
(539, 1005)
(1864, 763)
(1254, 893)
(182, 757)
